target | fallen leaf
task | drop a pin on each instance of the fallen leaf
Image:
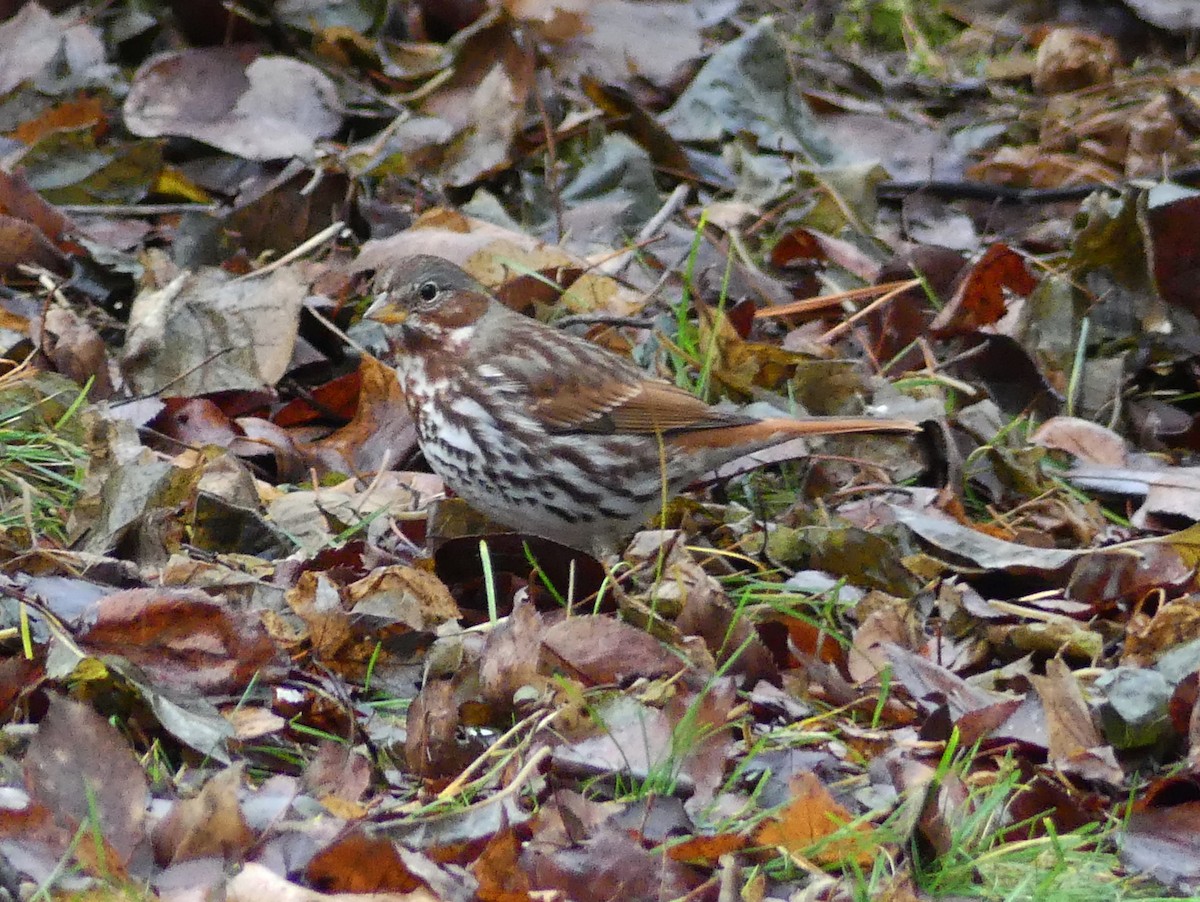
(980, 297)
(209, 824)
(84, 772)
(257, 107)
(1074, 744)
(181, 638)
(1089, 442)
(804, 825)
(601, 650)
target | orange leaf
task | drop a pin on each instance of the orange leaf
(707, 849)
(979, 299)
(813, 814)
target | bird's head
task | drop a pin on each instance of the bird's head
(425, 302)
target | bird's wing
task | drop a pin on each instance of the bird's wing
(576, 386)
(615, 404)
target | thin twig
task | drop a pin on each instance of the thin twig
(551, 164)
(808, 305)
(837, 330)
(333, 327)
(603, 319)
(136, 209)
(455, 786)
(297, 252)
(513, 787)
(614, 265)
(179, 378)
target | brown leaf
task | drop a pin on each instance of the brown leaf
(77, 351)
(932, 685)
(256, 882)
(318, 602)
(980, 298)
(729, 635)
(380, 435)
(84, 771)
(357, 863)
(500, 878)
(1174, 257)
(706, 721)
(609, 865)
(69, 116)
(1069, 59)
(601, 650)
(485, 101)
(22, 244)
(1173, 623)
(1033, 166)
(554, 20)
(337, 771)
(707, 849)
(634, 121)
(182, 638)
(1089, 442)
(509, 659)
(1163, 840)
(432, 747)
(209, 824)
(19, 200)
(338, 397)
(1073, 742)
(406, 596)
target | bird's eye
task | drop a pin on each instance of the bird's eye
(427, 291)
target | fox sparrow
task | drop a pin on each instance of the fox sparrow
(545, 432)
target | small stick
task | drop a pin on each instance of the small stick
(900, 288)
(295, 253)
(333, 327)
(614, 265)
(136, 209)
(552, 185)
(808, 305)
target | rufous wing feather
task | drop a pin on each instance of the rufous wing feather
(574, 386)
(645, 407)
(775, 429)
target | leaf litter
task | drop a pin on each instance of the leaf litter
(250, 648)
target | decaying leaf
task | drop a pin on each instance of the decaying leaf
(1074, 744)
(204, 333)
(937, 664)
(81, 769)
(258, 107)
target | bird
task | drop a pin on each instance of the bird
(548, 433)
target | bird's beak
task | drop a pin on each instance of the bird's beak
(385, 311)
